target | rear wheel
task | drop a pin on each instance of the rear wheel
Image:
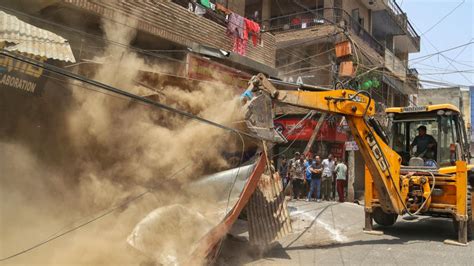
(383, 218)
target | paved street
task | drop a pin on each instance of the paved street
(331, 234)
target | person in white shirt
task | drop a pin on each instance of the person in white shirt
(341, 176)
(327, 177)
(298, 174)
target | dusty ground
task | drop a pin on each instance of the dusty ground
(330, 233)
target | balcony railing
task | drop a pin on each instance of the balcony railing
(397, 13)
(395, 65)
(322, 16)
(210, 14)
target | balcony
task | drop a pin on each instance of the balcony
(413, 81)
(392, 21)
(395, 65)
(301, 27)
(174, 23)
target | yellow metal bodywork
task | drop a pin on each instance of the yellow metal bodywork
(387, 185)
(382, 161)
(429, 108)
(461, 189)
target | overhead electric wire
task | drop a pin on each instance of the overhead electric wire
(146, 52)
(129, 200)
(307, 58)
(114, 208)
(68, 74)
(139, 50)
(447, 59)
(443, 18)
(446, 73)
(440, 52)
(308, 69)
(419, 73)
(433, 81)
(434, 68)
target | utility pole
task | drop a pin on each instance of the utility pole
(351, 176)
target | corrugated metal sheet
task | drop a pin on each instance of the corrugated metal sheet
(267, 213)
(23, 37)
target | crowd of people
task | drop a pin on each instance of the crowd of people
(313, 178)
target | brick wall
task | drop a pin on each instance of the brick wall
(175, 23)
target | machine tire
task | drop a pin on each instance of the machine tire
(383, 218)
(470, 224)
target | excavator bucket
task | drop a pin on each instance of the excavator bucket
(259, 118)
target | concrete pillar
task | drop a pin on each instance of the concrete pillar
(237, 6)
(328, 11)
(266, 12)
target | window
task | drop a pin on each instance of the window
(400, 138)
(447, 137)
(355, 14)
(404, 132)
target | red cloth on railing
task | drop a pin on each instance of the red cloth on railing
(253, 28)
(236, 29)
(240, 46)
(236, 25)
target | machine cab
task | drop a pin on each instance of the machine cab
(432, 136)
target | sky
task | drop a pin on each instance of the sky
(455, 29)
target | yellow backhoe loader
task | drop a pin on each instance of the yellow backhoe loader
(407, 173)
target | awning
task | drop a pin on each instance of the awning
(22, 37)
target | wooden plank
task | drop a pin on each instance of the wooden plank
(315, 133)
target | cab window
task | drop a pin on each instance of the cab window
(447, 141)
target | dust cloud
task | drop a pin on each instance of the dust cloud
(75, 151)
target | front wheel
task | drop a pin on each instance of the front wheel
(383, 218)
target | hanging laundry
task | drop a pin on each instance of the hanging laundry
(206, 3)
(235, 26)
(240, 46)
(254, 29)
(236, 29)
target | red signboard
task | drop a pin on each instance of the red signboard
(337, 149)
(293, 129)
(200, 68)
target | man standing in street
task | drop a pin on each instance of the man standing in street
(291, 172)
(295, 158)
(316, 170)
(327, 177)
(283, 171)
(307, 164)
(298, 177)
(341, 175)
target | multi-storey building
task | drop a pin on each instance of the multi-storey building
(192, 45)
(296, 43)
(306, 33)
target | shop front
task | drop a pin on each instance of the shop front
(330, 139)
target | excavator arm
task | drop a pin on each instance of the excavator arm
(358, 109)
